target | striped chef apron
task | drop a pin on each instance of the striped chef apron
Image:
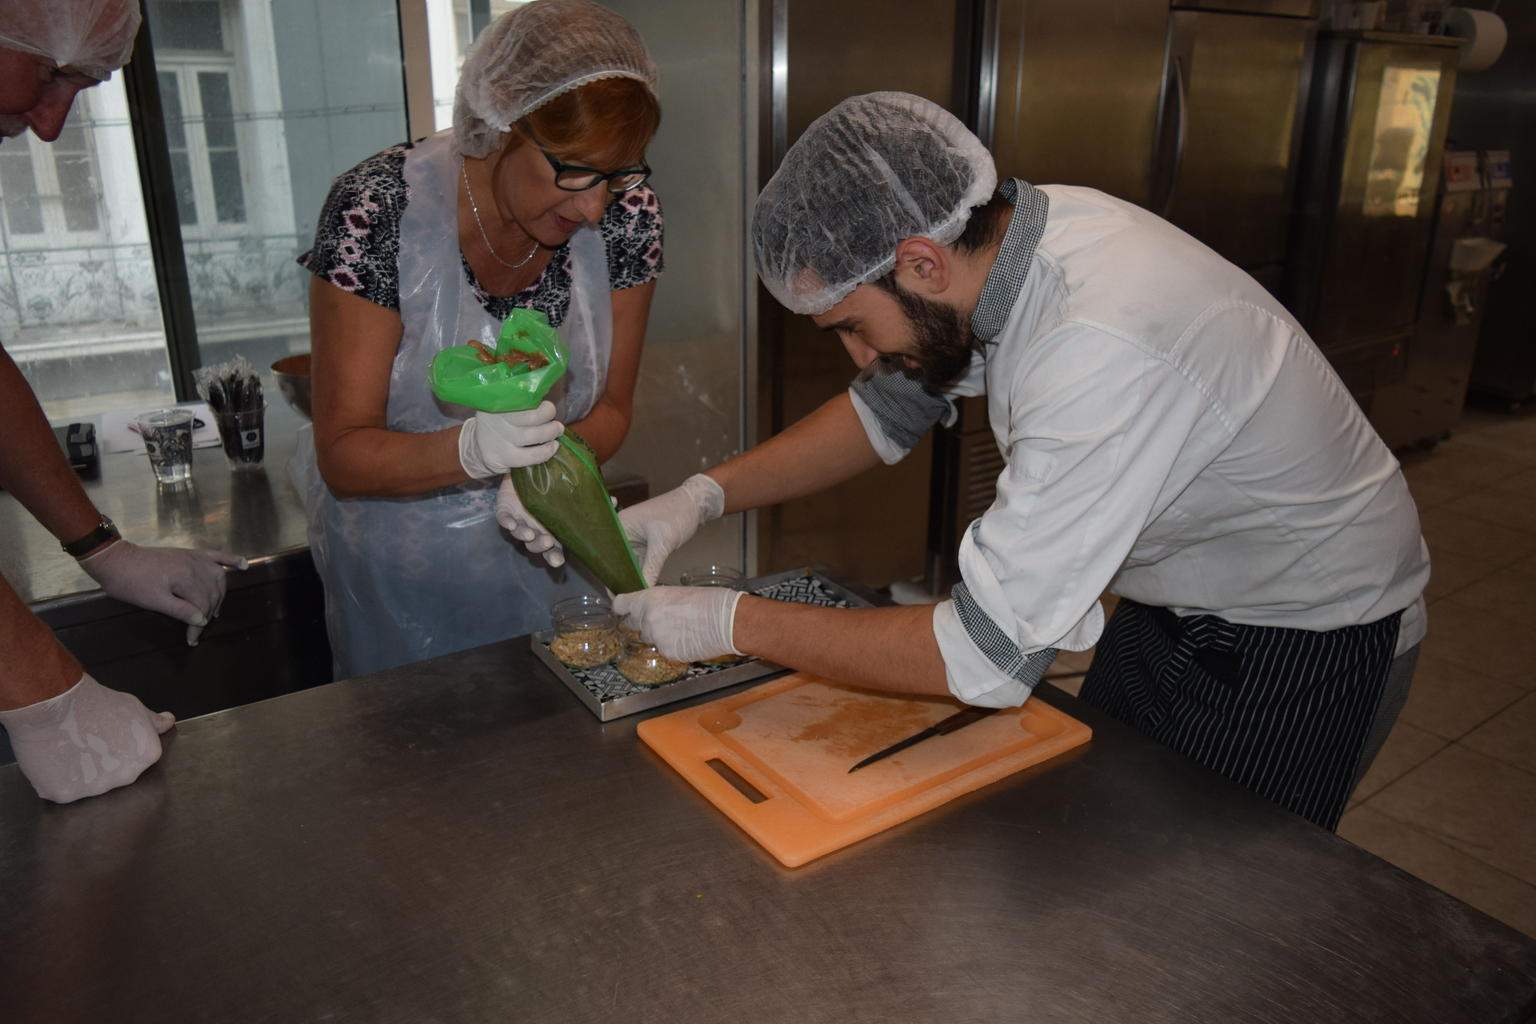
(1285, 712)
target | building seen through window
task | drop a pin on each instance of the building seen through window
(265, 101)
(452, 26)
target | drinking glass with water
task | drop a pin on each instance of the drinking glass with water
(167, 435)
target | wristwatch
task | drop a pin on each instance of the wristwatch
(105, 531)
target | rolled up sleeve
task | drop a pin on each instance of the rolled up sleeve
(1096, 428)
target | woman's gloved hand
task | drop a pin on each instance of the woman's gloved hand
(493, 442)
(520, 523)
(685, 623)
(85, 741)
(661, 525)
(180, 582)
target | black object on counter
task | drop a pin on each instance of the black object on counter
(79, 443)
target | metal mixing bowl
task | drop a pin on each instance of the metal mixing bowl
(292, 373)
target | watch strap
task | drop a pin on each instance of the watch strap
(105, 531)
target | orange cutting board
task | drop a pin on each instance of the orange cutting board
(792, 741)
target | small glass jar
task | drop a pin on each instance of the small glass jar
(644, 665)
(586, 632)
(727, 577)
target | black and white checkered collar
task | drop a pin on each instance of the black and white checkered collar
(1006, 278)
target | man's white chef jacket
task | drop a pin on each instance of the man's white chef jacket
(1172, 435)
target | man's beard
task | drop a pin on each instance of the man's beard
(943, 337)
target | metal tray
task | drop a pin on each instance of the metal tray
(608, 695)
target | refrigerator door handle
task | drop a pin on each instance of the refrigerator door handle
(1181, 99)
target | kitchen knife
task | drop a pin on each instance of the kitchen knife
(958, 720)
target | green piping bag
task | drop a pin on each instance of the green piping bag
(567, 493)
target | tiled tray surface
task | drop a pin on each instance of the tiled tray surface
(609, 695)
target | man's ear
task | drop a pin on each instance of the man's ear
(922, 267)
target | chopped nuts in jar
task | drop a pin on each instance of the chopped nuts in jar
(586, 632)
(726, 577)
(586, 648)
(643, 665)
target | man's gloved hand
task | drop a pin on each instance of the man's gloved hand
(179, 582)
(685, 623)
(521, 524)
(85, 741)
(661, 525)
(493, 442)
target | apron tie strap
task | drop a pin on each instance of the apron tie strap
(1204, 640)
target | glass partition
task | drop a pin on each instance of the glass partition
(79, 306)
(452, 26)
(265, 101)
(1405, 121)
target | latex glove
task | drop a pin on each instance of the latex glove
(661, 525)
(520, 523)
(85, 741)
(685, 623)
(493, 442)
(180, 582)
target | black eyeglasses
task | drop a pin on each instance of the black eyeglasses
(574, 178)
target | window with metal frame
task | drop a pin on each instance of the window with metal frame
(160, 231)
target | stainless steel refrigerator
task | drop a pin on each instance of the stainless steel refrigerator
(1465, 256)
(873, 529)
(1233, 100)
(1371, 161)
(1191, 110)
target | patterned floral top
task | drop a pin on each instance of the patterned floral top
(357, 242)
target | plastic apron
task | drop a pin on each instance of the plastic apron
(413, 578)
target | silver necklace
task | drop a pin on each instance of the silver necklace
(486, 238)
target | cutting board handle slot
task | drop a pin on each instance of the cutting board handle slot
(738, 783)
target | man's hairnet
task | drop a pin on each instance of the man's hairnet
(873, 170)
(94, 37)
(530, 55)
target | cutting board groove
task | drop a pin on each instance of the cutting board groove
(794, 739)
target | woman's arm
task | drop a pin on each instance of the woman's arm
(605, 426)
(354, 343)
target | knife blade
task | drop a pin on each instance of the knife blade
(958, 720)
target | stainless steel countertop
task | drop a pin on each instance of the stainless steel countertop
(460, 841)
(255, 512)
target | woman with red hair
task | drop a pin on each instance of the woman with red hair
(536, 198)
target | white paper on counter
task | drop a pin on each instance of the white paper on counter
(115, 432)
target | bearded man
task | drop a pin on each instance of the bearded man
(1172, 436)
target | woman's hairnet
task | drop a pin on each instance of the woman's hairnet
(530, 55)
(873, 170)
(94, 37)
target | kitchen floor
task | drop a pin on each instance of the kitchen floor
(1452, 796)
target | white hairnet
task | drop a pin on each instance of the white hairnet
(94, 37)
(530, 55)
(870, 172)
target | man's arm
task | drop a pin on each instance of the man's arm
(881, 648)
(820, 451)
(33, 466)
(72, 737)
(837, 442)
(36, 666)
